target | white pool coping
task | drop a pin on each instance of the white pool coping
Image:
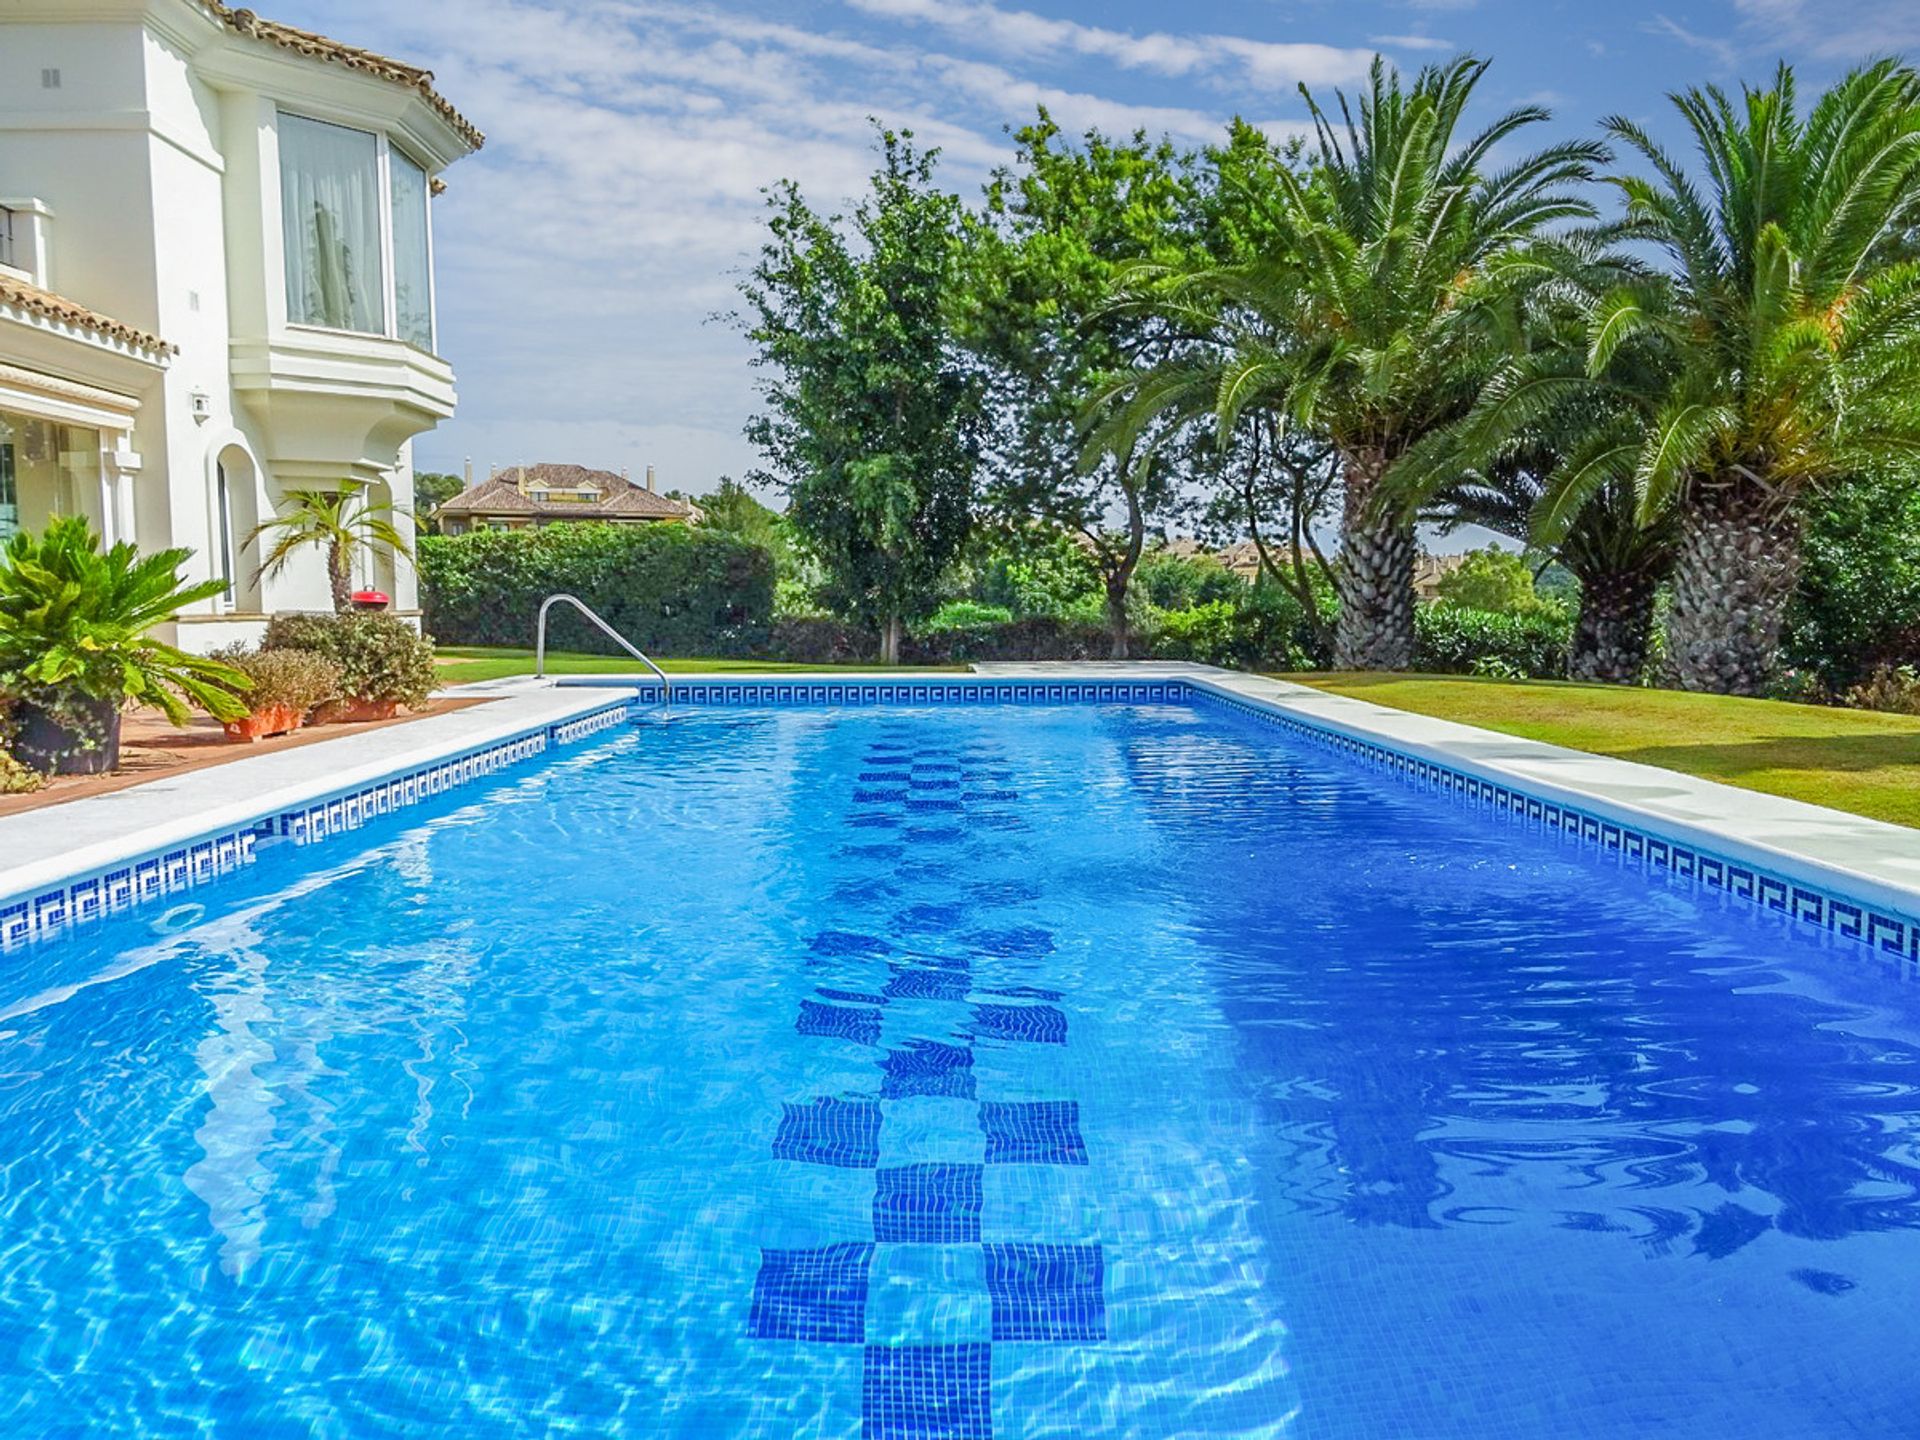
(1869, 861)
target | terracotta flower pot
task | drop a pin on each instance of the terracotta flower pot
(267, 720)
(46, 742)
(355, 711)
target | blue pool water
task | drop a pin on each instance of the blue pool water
(1024, 1071)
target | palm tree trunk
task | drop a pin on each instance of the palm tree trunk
(1119, 573)
(1740, 551)
(339, 574)
(1610, 638)
(1374, 630)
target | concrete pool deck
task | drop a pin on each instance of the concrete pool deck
(1868, 861)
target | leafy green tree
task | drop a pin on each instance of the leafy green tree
(1181, 582)
(1035, 569)
(1492, 579)
(1791, 332)
(1858, 603)
(1061, 226)
(431, 490)
(732, 509)
(344, 523)
(1382, 293)
(874, 415)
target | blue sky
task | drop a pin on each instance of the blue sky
(582, 252)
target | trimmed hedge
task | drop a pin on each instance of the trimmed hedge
(1451, 639)
(670, 589)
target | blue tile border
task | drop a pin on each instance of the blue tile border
(1838, 915)
(32, 919)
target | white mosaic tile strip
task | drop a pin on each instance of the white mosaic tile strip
(91, 897)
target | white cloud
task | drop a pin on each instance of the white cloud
(1721, 51)
(618, 199)
(1410, 42)
(1021, 33)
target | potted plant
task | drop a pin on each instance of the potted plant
(286, 685)
(76, 646)
(384, 662)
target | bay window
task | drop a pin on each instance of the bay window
(354, 217)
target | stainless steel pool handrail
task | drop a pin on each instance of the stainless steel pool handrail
(540, 642)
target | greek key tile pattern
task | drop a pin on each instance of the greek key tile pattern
(33, 919)
(1842, 918)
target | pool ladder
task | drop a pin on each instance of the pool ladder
(540, 642)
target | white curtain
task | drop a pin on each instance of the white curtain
(330, 201)
(412, 285)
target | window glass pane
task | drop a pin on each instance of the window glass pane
(47, 469)
(412, 285)
(330, 201)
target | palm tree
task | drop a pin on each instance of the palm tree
(1546, 456)
(1791, 337)
(1619, 562)
(343, 522)
(1383, 298)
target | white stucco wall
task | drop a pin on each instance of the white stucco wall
(157, 154)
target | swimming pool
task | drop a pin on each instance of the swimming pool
(1039, 1070)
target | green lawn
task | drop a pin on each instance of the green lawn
(462, 664)
(1850, 759)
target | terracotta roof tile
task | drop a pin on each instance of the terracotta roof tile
(622, 499)
(57, 307)
(319, 47)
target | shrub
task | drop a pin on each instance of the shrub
(1266, 630)
(1203, 633)
(818, 640)
(299, 679)
(1493, 580)
(670, 589)
(794, 599)
(1857, 608)
(381, 658)
(1184, 582)
(1038, 637)
(1036, 570)
(1452, 639)
(964, 615)
(1894, 688)
(16, 778)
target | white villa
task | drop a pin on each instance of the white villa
(216, 282)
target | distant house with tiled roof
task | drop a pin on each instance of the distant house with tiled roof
(216, 286)
(530, 495)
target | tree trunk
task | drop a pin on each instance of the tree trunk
(1374, 630)
(1740, 550)
(1117, 581)
(890, 633)
(1119, 574)
(1615, 626)
(340, 575)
